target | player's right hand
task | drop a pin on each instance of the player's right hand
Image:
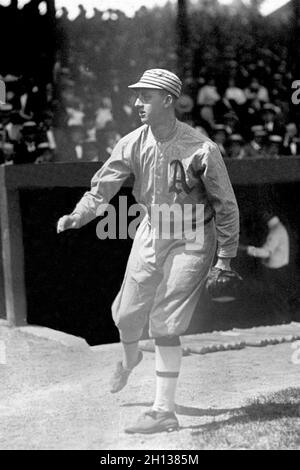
(251, 250)
(68, 221)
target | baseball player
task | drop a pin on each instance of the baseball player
(172, 164)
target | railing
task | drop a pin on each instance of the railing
(251, 171)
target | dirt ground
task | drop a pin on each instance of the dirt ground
(52, 397)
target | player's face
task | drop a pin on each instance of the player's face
(150, 105)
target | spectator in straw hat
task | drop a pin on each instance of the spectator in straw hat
(26, 149)
(269, 119)
(256, 147)
(231, 121)
(219, 136)
(44, 153)
(274, 146)
(257, 92)
(76, 134)
(90, 151)
(235, 146)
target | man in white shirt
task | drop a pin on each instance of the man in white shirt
(275, 251)
(234, 93)
(208, 94)
(275, 257)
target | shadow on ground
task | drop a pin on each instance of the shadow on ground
(281, 405)
(284, 404)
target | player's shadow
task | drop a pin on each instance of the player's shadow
(192, 411)
(284, 404)
(261, 412)
(189, 410)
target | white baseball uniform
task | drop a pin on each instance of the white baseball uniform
(163, 279)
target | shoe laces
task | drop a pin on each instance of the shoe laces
(154, 414)
(151, 413)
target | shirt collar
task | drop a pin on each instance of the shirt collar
(170, 136)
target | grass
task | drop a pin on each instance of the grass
(267, 423)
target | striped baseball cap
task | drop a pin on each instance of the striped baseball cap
(159, 79)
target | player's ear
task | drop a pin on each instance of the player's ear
(168, 100)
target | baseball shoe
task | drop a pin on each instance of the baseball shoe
(153, 421)
(120, 376)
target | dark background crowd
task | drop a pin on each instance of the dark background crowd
(66, 81)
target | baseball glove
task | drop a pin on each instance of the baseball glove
(223, 285)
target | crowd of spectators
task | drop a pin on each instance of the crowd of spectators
(236, 84)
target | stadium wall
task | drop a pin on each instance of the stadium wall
(68, 282)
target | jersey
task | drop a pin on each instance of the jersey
(163, 279)
(185, 169)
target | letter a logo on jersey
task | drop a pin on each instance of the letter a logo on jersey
(2, 92)
(179, 183)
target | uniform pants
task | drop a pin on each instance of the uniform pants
(162, 284)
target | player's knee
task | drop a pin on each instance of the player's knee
(167, 341)
(127, 322)
(121, 322)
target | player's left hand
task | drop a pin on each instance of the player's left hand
(223, 285)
